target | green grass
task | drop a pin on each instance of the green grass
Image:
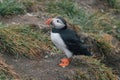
(4, 76)
(30, 5)
(114, 3)
(11, 7)
(93, 70)
(24, 40)
(91, 23)
(69, 9)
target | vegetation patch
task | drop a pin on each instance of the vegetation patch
(11, 7)
(117, 31)
(91, 23)
(30, 5)
(6, 72)
(23, 39)
(69, 9)
(104, 43)
(94, 70)
(114, 3)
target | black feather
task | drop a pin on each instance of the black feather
(72, 41)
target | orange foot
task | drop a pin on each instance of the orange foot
(65, 62)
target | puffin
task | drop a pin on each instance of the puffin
(66, 40)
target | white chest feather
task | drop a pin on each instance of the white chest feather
(59, 43)
(57, 40)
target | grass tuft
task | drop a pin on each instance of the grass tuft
(30, 5)
(6, 72)
(11, 7)
(94, 23)
(69, 9)
(114, 3)
(91, 23)
(23, 40)
(94, 71)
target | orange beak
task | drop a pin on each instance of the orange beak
(48, 21)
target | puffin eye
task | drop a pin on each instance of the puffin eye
(57, 20)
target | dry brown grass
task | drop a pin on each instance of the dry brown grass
(93, 70)
(25, 40)
(7, 71)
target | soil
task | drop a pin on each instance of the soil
(41, 69)
(28, 18)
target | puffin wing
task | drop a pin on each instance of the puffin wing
(73, 43)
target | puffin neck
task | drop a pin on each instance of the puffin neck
(54, 30)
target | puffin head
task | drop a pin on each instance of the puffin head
(57, 22)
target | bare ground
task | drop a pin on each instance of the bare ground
(43, 69)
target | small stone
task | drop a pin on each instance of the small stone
(13, 22)
(114, 27)
(102, 10)
(29, 14)
(46, 56)
(63, 66)
(52, 53)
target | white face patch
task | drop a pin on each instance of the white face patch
(57, 23)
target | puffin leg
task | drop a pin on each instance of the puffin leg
(65, 62)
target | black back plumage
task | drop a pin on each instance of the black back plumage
(72, 41)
